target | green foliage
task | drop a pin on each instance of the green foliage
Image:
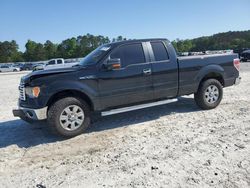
(67, 48)
(87, 43)
(50, 49)
(221, 41)
(9, 51)
(83, 45)
(34, 51)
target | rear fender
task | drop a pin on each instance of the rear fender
(208, 70)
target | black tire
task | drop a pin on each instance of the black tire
(14, 70)
(201, 97)
(57, 109)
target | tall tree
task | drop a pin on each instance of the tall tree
(29, 54)
(50, 49)
(67, 49)
(40, 52)
(34, 51)
(87, 43)
(9, 52)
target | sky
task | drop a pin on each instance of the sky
(57, 20)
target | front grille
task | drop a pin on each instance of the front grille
(22, 91)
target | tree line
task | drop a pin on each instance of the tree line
(69, 48)
(82, 45)
(236, 41)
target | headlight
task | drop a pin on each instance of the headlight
(33, 91)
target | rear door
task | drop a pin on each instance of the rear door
(59, 64)
(164, 69)
(132, 83)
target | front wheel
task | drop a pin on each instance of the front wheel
(69, 116)
(209, 94)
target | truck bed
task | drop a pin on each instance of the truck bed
(191, 68)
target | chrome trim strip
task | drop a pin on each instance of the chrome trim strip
(89, 77)
(22, 91)
(137, 107)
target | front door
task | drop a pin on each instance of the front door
(132, 83)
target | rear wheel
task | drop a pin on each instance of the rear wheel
(69, 116)
(209, 94)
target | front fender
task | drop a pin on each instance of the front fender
(59, 86)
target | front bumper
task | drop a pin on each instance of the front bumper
(237, 81)
(34, 114)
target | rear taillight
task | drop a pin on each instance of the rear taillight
(237, 64)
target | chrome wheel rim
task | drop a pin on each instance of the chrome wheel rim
(72, 117)
(212, 94)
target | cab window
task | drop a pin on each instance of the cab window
(52, 62)
(160, 52)
(129, 54)
(59, 61)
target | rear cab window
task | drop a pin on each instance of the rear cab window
(160, 51)
(59, 61)
(129, 54)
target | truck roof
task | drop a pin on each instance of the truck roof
(138, 40)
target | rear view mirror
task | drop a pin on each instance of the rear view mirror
(113, 64)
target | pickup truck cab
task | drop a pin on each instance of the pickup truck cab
(55, 64)
(120, 77)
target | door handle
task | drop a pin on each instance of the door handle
(147, 71)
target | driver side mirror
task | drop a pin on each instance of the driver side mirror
(113, 64)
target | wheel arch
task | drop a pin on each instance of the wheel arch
(213, 75)
(70, 93)
(211, 72)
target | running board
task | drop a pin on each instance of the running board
(137, 107)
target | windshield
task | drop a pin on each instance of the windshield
(95, 55)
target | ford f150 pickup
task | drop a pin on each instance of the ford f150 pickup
(54, 64)
(120, 77)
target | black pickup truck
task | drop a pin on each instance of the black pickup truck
(120, 77)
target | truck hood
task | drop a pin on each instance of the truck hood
(42, 73)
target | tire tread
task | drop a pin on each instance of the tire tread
(58, 106)
(199, 96)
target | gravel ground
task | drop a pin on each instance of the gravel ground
(175, 145)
